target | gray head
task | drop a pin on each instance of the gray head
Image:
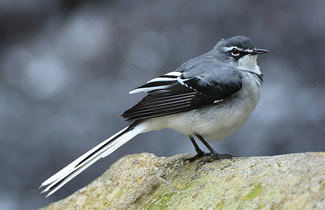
(239, 52)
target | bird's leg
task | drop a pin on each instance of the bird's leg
(213, 154)
(199, 152)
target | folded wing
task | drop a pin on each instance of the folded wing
(184, 91)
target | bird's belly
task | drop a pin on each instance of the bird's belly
(213, 122)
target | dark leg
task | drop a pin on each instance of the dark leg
(197, 148)
(213, 154)
(199, 152)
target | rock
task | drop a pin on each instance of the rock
(144, 181)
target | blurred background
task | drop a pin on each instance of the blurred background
(66, 67)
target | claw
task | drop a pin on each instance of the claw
(215, 156)
(197, 156)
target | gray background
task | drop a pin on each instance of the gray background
(66, 68)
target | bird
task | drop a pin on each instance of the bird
(207, 97)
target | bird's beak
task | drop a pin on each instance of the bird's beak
(259, 51)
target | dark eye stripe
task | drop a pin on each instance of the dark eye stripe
(241, 53)
(238, 56)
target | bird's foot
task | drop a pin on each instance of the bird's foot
(215, 156)
(197, 156)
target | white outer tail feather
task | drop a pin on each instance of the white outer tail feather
(63, 176)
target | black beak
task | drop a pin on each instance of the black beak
(259, 51)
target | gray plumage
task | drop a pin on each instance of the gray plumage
(209, 96)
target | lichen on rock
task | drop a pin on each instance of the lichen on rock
(144, 181)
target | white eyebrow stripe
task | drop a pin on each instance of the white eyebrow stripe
(249, 50)
(240, 49)
(232, 47)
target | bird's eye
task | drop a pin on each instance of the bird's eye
(235, 52)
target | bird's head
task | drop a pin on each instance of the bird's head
(239, 52)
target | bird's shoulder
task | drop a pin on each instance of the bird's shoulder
(199, 62)
(210, 67)
(207, 70)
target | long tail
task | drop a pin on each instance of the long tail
(103, 149)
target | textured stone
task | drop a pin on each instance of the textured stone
(144, 181)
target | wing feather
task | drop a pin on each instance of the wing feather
(182, 91)
(160, 82)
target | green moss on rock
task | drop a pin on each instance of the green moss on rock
(256, 191)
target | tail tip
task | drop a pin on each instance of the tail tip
(43, 191)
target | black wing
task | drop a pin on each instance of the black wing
(192, 90)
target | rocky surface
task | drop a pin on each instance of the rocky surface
(144, 181)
